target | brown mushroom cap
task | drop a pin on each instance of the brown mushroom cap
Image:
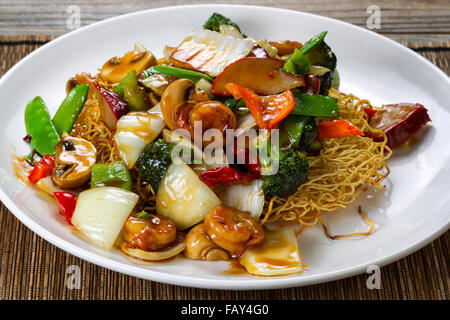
(73, 162)
(175, 94)
(115, 69)
(200, 247)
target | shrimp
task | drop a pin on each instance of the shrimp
(150, 234)
(233, 229)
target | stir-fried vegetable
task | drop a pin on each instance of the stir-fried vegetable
(314, 105)
(101, 212)
(111, 105)
(245, 196)
(130, 91)
(42, 169)
(313, 42)
(73, 162)
(267, 111)
(298, 63)
(39, 126)
(154, 162)
(113, 174)
(115, 69)
(309, 134)
(178, 73)
(209, 52)
(216, 20)
(223, 175)
(292, 173)
(322, 55)
(338, 129)
(66, 204)
(183, 197)
(277, 255)
(293, 126)
(135, 130)
(261, 75)
(70, 108)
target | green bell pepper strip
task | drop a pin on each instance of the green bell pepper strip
(313, 42)
(113, 174)
(128, 89)
(314, 105)
(38, 124)
(178, 73)
(297, 62)
(70, 109)
(293, 126)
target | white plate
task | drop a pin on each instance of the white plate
(412, 211)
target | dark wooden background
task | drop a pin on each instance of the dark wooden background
(31, 268)
(401, 19)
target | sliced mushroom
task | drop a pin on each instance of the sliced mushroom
(73, 162)
(115, 69)
(200, 247)
(82, 78)
(175, 94)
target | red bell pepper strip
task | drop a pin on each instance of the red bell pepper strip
(66, 203)
(268, 111)
(222, 175)
(42, 169)
(370, 112)
(338, 129)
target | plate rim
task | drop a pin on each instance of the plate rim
(238, 284)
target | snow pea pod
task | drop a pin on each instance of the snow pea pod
(298, 63)
(313, 42)
(314, 105)
(39, 126)
(70, 108)
(293, 126)
(178, 73)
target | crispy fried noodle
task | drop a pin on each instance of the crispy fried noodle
(344, 168)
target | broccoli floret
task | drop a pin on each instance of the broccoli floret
(292, 173)
(216, 20)
(309, 134)
(154, 161)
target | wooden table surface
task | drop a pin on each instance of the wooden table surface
(400, 19)
(420, 24)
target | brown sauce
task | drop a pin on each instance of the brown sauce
(235, 268)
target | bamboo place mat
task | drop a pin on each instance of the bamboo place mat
(32, 268)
